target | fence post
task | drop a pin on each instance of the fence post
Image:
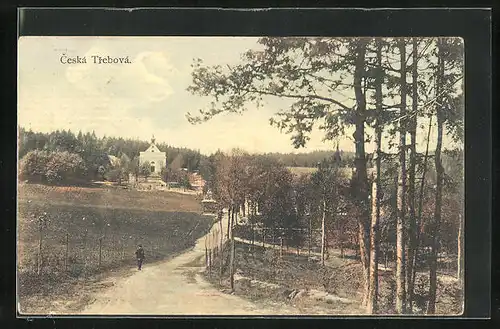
(100, 251)
(206, 253)
(39, 263)
(67, 252)
(253, 236)
(122, 248)
(210, 263)
(281, 247)
(263, 236)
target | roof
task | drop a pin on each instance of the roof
(153, 148)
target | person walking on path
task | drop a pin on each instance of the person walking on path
(139, 254)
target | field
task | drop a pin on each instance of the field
(347, 172)
(93, 231)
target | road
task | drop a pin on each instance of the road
(175, 287)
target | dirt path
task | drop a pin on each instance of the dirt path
(175, 287)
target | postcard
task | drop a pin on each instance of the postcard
(253, 176)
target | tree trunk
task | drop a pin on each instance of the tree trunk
(431, 306)
(372, 305)
(310, 236)
(206, 253)
(231, 265)
(66, 253)
(420, 205)
(459, 250)
(253, 236)
(323, 234)
(228, 222)
(360, 177)
(411, 187)
(221, 257)
(400, 225)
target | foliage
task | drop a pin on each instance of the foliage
(145, 170)
(53, 167)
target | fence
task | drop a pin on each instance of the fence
(299, 240)
(304, 241)
(85, 253)
(76, 246)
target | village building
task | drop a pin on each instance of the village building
(155, 158)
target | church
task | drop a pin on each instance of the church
(154, 158)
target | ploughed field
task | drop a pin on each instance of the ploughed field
(90, 231)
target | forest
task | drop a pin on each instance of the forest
(404, 97)
(86, 156)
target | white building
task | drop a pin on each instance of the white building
(154, 157)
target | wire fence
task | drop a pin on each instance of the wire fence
(86, 254)
(305, 241)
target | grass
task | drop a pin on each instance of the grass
(110, 196)
(111, 220)
(262, 276)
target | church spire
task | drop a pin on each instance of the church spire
(153, 139)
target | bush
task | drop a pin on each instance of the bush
(114, 175)
(33, 165)
(53, 167)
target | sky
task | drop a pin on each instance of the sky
(146, 97)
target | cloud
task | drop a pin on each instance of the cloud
(146, 79)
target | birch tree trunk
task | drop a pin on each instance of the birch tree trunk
(420, 205)
(431, 306)
(372, 305)
(360, 178)
(459, 250)
(323, 233)
(231, 264)
(412, 173)
(401, 204)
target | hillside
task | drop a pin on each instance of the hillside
(94, 231)
(113, 197)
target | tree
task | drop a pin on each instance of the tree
(145, 170)
(412, 236)
(311, 72)
(329, 83)
(177, 163)
(134, 167)
(326, 181)
(33, 166)
(372, 305)
(53, 167)
(400, 224)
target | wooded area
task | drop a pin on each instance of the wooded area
(62, 156)
(402, 95)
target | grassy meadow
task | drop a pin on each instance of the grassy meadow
(93, 230)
